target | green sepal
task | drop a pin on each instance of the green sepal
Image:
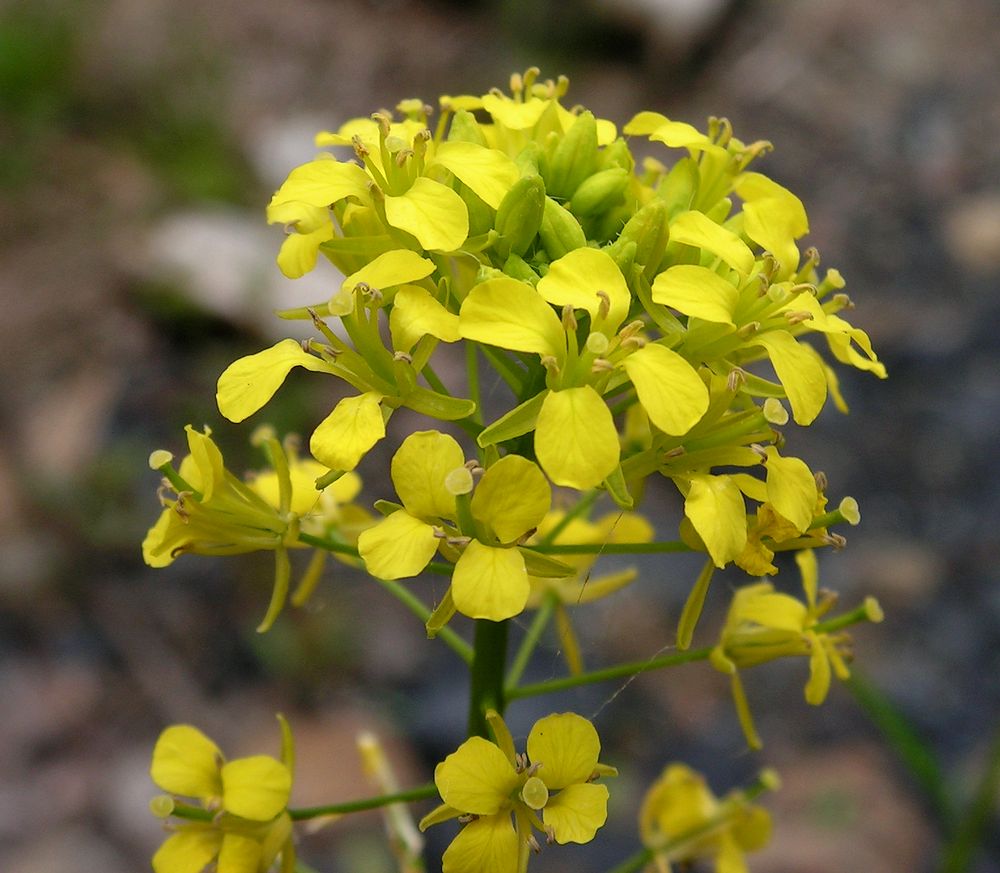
(650, 232)
(618, 488)
(518, 268)
(328, 478)
(305, 313)
(693, 606)
(519, 215)
(437, 815)
(528, 158)
(481, 215)
(756, 386)
(519, 421)
(618, 154)
(439, 406)
(544, 565)
(441, 615)
(662, 317)
(387, 507)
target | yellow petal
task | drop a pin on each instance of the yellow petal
(398, 547)
(791, 488)
(432, 212)
(239, 854)
(575, 438)
(697, 229)
(566, 746)
(577, 813)
(730, 857)
(576, 278)
(419, 469)
(347, 433)
(300, 250)
(772, 610)
(512, 315)
(697, 291)
(514, 115)
(476, 778)
(489, 582)
(208, 460)
(773, 217)
(819, 671)
(486, 845)
(186, 762)
(248, 383)
(323, 182)
(800, 371)
(488, 172)
(512, 497)
(415, 314)
(805, 559)
(669, 388)
(390, 269)
(162, 538)
(715, 507)
(188, 851)
(256, 788)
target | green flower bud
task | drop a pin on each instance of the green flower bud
(574, 158)
(649, 231)
(517, 268)
(560, 231)
(519, 215)
(598, 193)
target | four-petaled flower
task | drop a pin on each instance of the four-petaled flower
(433, 481)
(503, 796)
(682, 820)
(247, 798)
(763, 624)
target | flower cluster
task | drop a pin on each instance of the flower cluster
(639, 318)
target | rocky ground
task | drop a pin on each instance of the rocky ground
(140, 140)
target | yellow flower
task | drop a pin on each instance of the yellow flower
(503, 796)
(490, 579)
(214, 513)
(576, 440)
(248, 825)
(681, 820)
(763, 625)
(407, 177)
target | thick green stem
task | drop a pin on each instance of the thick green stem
(486, 676)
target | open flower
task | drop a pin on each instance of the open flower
(763, 624)
(248, 825)
(576, 440)
(504, 796)
(681, 820)
(434, 483)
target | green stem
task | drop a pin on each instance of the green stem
(610, 548)
(617, 672)
(424, 792)
(486, 676)
(621, 671)
(472, 370)
(538, 624)
(410, 600)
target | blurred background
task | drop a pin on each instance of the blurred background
(139, 143)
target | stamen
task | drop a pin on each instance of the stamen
(601, 365)
(568, 318)
(821, 481)
(458, 540)
(748, 329)
(797, 316)
(403, 356)
(736, 379)
(675, 452)
(604, 307)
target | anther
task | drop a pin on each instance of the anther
(466, 817)
(604, 307)
(550, 364)
(835, 540)
(842, 301)
(797, 316)
(748, 329)
(736, 379)
(675, 452)
(360, 149)
(458, 540)
(535, 847)
(402, 156)
(403, 356)
(821, 481)
(568, 318)
(631, 329)
(601, 365)
(633, 342)
(383, 119)
(759, 451)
